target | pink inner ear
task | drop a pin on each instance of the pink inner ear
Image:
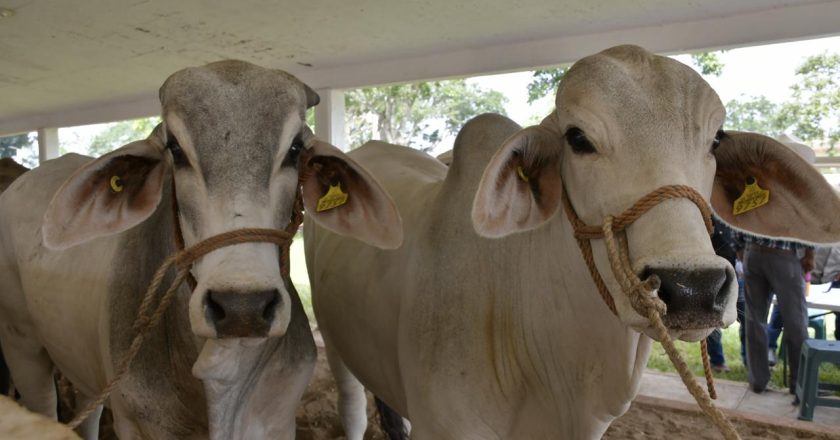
(87, 206)
(369, 214)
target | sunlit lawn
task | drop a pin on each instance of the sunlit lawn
(658, 359)
(732, 352)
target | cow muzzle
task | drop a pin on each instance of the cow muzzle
(695, 295)
(688, 301)
(242, 314)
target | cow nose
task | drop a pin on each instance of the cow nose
(695, 298)
(237, 314)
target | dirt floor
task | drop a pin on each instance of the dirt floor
(318, 419)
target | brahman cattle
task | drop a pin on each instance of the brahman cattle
(80, 239)
(486, 323)
(9, 171)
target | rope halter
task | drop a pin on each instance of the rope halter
(643, 293)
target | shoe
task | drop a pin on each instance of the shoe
(758, 389)
(722, 368)
(795, 401)
(771, 357)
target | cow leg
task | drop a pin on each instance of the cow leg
(89, 429)
(32, 372)
(352, 402)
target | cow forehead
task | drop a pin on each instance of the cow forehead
(637, 89)
(237, 115)
(231, 93)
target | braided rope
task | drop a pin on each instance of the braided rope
(642, 294)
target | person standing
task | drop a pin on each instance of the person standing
(776, 266)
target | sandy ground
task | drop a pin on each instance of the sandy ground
(318, 419)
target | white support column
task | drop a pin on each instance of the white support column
(329, 117)
(47, 144)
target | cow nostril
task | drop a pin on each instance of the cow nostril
(268, 311)
(215, 312)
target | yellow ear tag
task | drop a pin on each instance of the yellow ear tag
(334, 198)
(116, 184)
(521, 173)
(753, 197)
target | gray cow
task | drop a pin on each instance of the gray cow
(80, 239)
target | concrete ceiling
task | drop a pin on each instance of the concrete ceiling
(75, 62)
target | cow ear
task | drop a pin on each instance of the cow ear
(342, 197)
(801, 204)
(521, 187)
(108, 195)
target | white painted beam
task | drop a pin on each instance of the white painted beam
(788, 23)
(47, 144)
(770, 26)
(91, 113)
(329, 117)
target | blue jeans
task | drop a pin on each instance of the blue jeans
(715, 347)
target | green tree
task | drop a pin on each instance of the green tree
(755, 114)
(814, 114)
(415, 114)
(16, 147)
(709, 63)
(120, 133)
(545, 83)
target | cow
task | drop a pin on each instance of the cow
(486, 323)
(80, 239)
(9, 171)
(19, 424)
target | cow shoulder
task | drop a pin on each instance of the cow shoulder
(28, 196)
(397, 167)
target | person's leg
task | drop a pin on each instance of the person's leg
(787, 282)
(740, 307)
(837, 326)
(774, 328)
(757, 298)
(713, 341)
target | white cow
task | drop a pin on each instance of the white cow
(80, 239)
(507, 338)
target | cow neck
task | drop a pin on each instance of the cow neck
(642, 293)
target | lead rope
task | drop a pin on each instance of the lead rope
(642, 294)
(182, 261)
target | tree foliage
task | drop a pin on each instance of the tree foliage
(544, 83)
(418, 114)
(120, 133)
(813, 113)
(709, 63)
(17, 147)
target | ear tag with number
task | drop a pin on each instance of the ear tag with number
(521, 173)
(753, 197)
(334, 198)
(116, 184)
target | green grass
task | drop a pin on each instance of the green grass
(732, 352)
(300, 277)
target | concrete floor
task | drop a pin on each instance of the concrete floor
(736, 396)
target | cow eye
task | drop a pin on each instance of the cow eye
(294, 152)
(178, 156)
(718, 137)
(578, 141)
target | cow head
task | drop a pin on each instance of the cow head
(231, 140)
(628, 122)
